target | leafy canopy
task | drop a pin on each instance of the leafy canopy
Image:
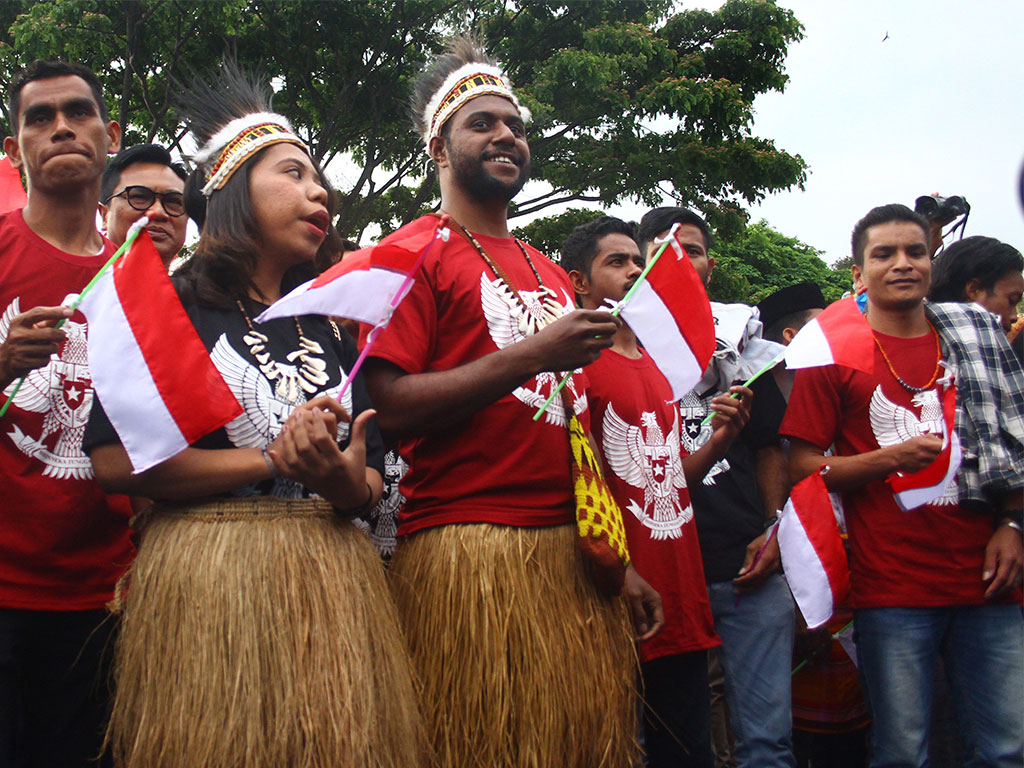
(632, 99)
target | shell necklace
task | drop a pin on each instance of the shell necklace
(304, 370)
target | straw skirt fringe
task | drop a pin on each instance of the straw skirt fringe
(259, 633)
(522, 663)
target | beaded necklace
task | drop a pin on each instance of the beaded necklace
(304, 370)
(548, 310)
(935, 374)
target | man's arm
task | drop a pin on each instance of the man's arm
(762, 558)
(849, 472)
(410, 404)
(731, 416)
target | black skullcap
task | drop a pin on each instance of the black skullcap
(794, 298)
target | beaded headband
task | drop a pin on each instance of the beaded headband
(237, 141)
(465, 83)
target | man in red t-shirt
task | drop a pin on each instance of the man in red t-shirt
(522, 661)
(63, 543)
(941, 578)
(636, 427)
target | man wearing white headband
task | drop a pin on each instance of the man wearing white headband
(522, 660)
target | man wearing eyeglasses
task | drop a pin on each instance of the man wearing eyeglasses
(142, 181)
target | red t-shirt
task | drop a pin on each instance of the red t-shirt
(498, 465)
(63, 542)
(637, 431)
(930, 556)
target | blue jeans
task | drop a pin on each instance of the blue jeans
(983, 651)
(757, 651)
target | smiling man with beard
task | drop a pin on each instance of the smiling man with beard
(63, 543)
(523, 662)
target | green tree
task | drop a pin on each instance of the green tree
(632, 99)
(760, 260)
(548, 234)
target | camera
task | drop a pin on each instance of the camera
(941, 210)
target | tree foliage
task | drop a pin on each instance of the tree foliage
(760, 260)
(632, 99)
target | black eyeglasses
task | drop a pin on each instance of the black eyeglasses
(141, 199)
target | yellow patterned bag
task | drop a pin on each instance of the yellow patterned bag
(600, 531)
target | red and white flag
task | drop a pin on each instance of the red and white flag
(671, 315)
(929, 484)
(367, 284)
(840, 335)
(813, 556)
(149, 367)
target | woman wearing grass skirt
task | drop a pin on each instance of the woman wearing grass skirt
(257, 627)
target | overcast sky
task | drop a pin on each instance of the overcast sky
(938, 107)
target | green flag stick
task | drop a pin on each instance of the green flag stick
(133, 232)
(771, 364)
(615, 312)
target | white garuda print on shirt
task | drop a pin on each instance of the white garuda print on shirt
(644, 457)
(382, 527)
(62, 389)
(694, 409)
(509, 323)
(892, 424)
(266, 407)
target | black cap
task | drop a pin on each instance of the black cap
(794, 298)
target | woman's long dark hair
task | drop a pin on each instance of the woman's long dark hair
(220, 270)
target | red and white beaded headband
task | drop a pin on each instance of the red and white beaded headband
(465, 83)
(237, 141)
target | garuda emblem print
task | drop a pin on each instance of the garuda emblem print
(61, 389)
(508, 322)
(644, 457)
(892, 424)
(266, 406)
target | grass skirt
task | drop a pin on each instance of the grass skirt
(522, 662)
(259, 633)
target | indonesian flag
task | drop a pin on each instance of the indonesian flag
(149, 367)
(671, 315)
(930, 483)
(367, 284)
(12, 194)
(840, 335)
(812, 551)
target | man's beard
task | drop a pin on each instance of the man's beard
(474, 178)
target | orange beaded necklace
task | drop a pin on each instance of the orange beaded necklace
(935, 374)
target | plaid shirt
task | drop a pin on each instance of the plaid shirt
(990, 401)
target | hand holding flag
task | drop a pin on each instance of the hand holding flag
(133, 232)
(668, 310)
(367, 285)
(149, 367)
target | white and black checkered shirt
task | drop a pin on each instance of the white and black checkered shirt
(990, 402)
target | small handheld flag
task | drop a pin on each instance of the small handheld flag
(367, 285)
(133, 232)
(668, 310)
(812, 551)
(149, 367)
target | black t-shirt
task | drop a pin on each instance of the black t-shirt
(270, 393)
(726, 504)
